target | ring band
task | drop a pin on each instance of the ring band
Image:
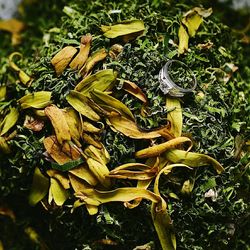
(168, 86)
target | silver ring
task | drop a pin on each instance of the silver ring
(167, 84)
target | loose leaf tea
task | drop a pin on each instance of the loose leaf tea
(112, 145)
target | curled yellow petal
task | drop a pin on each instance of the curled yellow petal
(133, 171)
(3, 92)
(24, 78)
(158, 149)
(63, 180)
(110, 103)
(4, 147)
(100, 171)
(74, 124)
(130, 129)
(95, 197)
(61, 153)
(134, 90)
(192, 159)
(83, 172)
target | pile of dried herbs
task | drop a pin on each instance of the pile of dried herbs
(66, 125)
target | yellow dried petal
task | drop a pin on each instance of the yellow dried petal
(39, 188)
(62, 59)
(36, 100)
(92, 61)
(13, 26)
(102, 80)
(100, 171)
(78, 62)
(59, 123)
(192, 159)
(106, 101)
(174, 116)
(130, 129)
(183, 40)
(57, 192)
(124, 28)
(3, 92)
(24, 78)
(156, 150)
(9, 121)
(80, 103)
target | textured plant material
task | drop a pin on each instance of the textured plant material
(74, 124)
(124, 28)
(59, 123)
(134, 90)
(61, 60)
(100, 171)
(61, 153)
(158, 149)
(37, 100)
(174, 116)
(102, 80)
(96, 197)
(83, 172)
(130, 129)
(4, 147)
(57, 193)
(92, 61)
(33, 124)
(80, 103)
(39, 188)
(15, 27)
(133, 171)
(192, 159)
(9, 121)
(81, 57)
(24, 78)
(111, 104)
(183, 40)
(191, 21)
